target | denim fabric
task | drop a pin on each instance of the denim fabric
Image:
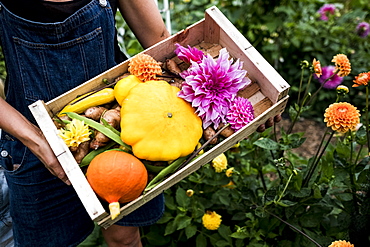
(6, 233)
(45, 60)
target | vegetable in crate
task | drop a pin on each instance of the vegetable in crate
(157, 124)
(123, 87)
(117, 177)
(112, 117)
(80, 104)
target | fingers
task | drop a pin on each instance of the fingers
(58, 171)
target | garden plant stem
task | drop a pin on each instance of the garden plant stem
(351, 175)
(285, 188)
(300, 86)
(295, 228)
(317, 159)
(367, 119)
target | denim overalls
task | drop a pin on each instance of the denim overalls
(43, 61)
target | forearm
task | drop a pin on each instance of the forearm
(31, 136)
(145, 21)
(17, 125)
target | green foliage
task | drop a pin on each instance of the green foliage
(277, 197)
(2, 66)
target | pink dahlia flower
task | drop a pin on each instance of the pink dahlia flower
(325, 10)
(241, 112)
(211, 85)
(363, 29)
(327, 72)
(188, 54)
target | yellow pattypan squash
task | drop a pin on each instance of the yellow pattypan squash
(123, 86)
(157, 124)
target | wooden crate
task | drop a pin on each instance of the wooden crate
(268, 94)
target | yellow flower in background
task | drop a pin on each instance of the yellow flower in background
(317, 67)
(342, 117)
(220, 163)
(74, 133)
(341, 89)
(230, 185)
(211, 220)
(362, 79)
(341, 243)
(229, 172)
(342, 64)
(190, 193)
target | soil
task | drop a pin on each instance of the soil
(313, 130)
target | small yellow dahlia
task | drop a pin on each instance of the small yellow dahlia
(211, 220)
(74, 133)
(317, 67)
(190, 193)
(342, 64)
(341, 243)
(229, 172)
(220, 163)
(144, 67)
(342, 117)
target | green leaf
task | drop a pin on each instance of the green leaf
(170, 203)
(286, 203)
(267, 143)
(201, 241)
(316, 192)
(170, 228)
(222, 243)
(181, 198)
(155, 238)
(240, 235)
(362, 164)
(361, 137)
(182, 221)
(238, 216)
(165, 218)
(225, 232)
(190, 231)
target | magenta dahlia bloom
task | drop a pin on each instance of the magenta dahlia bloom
(363, 29)
(241, 112)
(327, 72)
(211, 85)
(326, 10)
(188, 54)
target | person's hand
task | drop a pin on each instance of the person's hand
(269, 123)
(45, 154)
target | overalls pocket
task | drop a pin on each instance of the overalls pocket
(72, 59)
(12, 153)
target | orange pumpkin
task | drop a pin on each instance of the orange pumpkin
(117, 177)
